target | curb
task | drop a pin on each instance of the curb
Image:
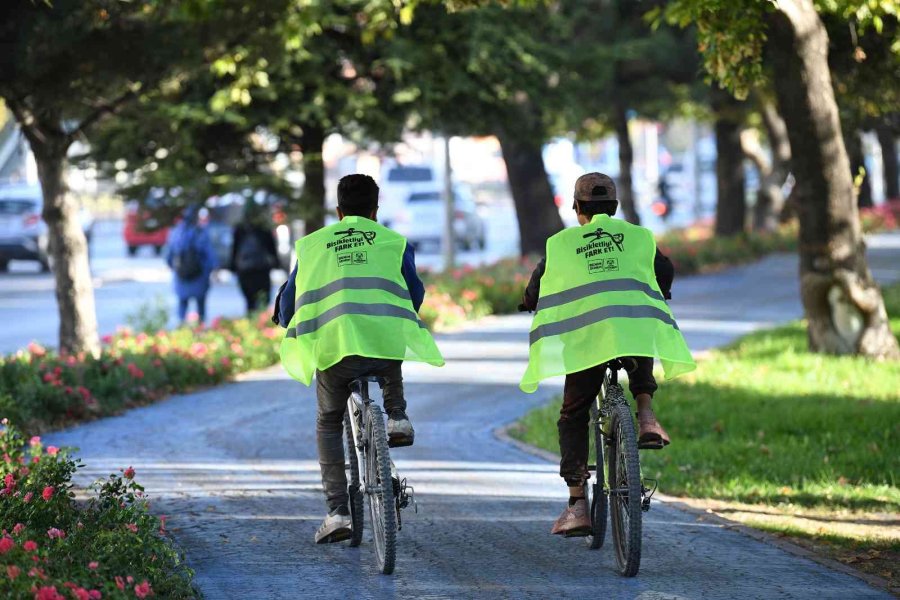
(502, 434)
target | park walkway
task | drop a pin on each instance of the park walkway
(235, 469)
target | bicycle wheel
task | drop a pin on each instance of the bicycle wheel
(382, 508)
(353, 489)
(625, 490)
(599, 501)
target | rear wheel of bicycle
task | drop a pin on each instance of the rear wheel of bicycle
(599, 502)
(356, 495)
(382, 508)
(625, 491)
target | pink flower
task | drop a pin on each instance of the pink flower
(162, 523)
(48, 593)
(120, 583)
(35, 441)
(36, 349)
(55, 533)
(47, 493)
(95, 595)
(226, 362)
(129, 473)
(93, 565)
(81, 594)
(142, 590)
(131, 527)
(30, 546)
(12, 571)
(135, 371)
(18, 528)
(52, 450)
(6, 544)
(27, 498)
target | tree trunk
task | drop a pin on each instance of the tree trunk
(857, 167)
(844, 307)
(536, 211)
(889, 157)
(731, 201)
(770, 198)
(624, 187)
(68, 250)
(313, 198)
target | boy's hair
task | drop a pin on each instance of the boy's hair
(357, 195)
(597, 207)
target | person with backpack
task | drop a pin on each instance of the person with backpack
(192, 258)
(254, 255)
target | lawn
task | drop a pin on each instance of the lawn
(765, 423)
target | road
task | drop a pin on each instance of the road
(235, 469)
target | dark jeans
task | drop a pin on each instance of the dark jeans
(183, 308)
(332, 391)
(580, 391)
(256, 287)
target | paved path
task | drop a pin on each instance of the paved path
(235, 468)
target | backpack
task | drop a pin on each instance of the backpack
(188, 263)
(251, 255)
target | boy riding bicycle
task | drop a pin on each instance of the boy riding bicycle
(599, 295)
(350, 307)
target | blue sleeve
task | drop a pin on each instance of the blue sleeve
(286, 299)
(413, 283)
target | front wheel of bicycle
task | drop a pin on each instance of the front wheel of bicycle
(380, 490)
(599, 502)
(625, 491)
(353, 489)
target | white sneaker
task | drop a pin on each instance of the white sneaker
(336, 527)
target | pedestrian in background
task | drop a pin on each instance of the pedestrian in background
(254, 255)
(192, 259)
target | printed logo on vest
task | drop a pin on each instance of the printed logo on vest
(604, 265)
(351, 238)
(352, 258)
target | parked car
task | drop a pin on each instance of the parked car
(143, 226)
(421, 219)
(23, 232)
(397, 182)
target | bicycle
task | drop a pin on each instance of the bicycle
(373, 475)
(618, 487)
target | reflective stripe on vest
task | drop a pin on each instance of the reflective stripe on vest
(351, 283)
(597, 315)
(597, 287)
(352, 308)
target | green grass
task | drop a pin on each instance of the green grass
(765, 421)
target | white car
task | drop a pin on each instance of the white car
(397, 182)
(23, 233)
(421, 218)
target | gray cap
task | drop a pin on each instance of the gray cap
(595, 187)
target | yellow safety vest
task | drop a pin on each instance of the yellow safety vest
(599, 300)
(351, 300)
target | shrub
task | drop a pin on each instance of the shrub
(52, 547)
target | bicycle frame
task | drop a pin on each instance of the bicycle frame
(359, 401)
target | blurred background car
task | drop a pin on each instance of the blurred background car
(397, 183)
(143, 224)
(23, 232)
(421, 218)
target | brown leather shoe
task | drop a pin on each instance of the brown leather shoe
(651, 435)
(574, 521)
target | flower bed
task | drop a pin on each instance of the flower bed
(52, 547)
(40, 389)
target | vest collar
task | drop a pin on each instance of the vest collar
(353, 219)
(598, 218)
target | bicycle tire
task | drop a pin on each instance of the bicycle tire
(625, 490)
(599, 501)
(354, 492)
(382, 507)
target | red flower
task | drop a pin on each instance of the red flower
(129, 473)
(143, 589)
(120, 583)
(47, 493)
(131, 527)
(81, 594)
(6, 544)
(18, 528)
(12, 571)
(27, 498)
(30, 546)
(95, 595)
(93, 565)
(134, 371)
